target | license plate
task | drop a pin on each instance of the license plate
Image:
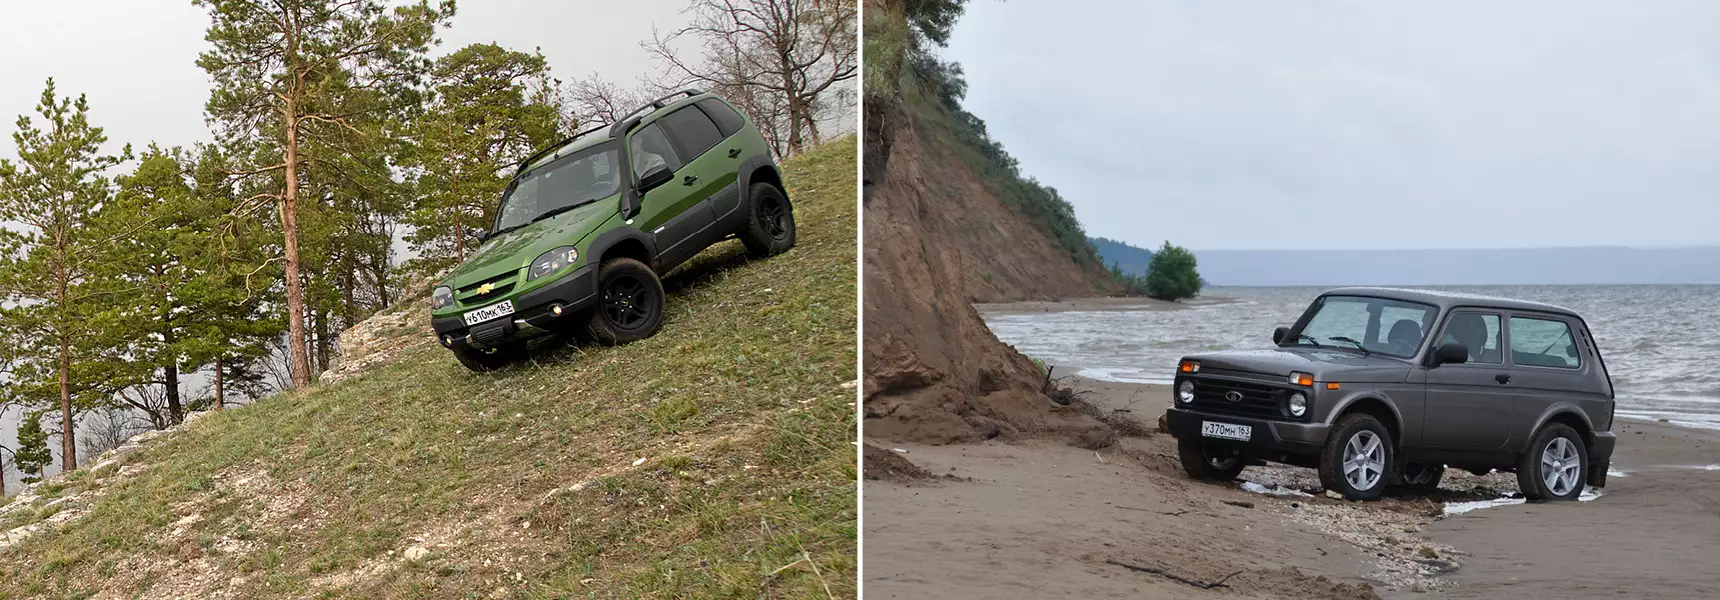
(493, 311)
(1229, 431)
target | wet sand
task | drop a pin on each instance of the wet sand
(1038, 519)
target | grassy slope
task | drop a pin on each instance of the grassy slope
(739, 405)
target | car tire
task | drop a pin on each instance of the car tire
(1363, 438)
(1555, 446)
(484, 361)
(1419, 477)
(1206, 462)
(629, 303)
(770, 221)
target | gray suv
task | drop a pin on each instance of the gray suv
(1384, 387)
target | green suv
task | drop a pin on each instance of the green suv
(586, 226)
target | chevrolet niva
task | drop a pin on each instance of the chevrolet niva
(1385, 387)
(586, 227)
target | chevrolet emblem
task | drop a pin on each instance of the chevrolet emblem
(485, 289)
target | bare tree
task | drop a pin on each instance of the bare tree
(107, 428)
(602, 101)
(794, 50)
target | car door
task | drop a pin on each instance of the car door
(693, 227)
(724, 161)
(1548, 367)
(1470, 405)
(649, 146)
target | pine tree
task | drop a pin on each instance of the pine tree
(55, 190)
(33, 456)
(275, 66)
(491, 108)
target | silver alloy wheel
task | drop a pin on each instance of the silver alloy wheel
(1561, 468)
(1364, 460)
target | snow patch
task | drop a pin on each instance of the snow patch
(1275, 490)
(1458, 508)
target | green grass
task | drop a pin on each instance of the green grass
(737, 405)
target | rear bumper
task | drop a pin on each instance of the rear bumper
(534, 313)
(1600, 457)
(1267, 438)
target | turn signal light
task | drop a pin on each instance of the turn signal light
(1301, 379)
(1332, 386)
(1189, 366)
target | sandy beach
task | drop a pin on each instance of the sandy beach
(1123, 303)
(1035, 518)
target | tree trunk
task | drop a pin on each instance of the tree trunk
(794, 108)
(175, 409)
(2, 477)
(220, 390)
(68, 438)
(301, 360)
(321, 318)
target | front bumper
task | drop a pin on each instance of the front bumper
(534, 313)
(1267, 438)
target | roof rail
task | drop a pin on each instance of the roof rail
(625, 122)
(556, 146)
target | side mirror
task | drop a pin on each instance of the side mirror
(654, 178)
(1451, 353)
(1279, 334)
(480, 233)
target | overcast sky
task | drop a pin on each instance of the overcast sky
(1357, 125)
(136, 59)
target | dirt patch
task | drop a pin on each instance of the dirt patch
(937, 240)
(884, 465)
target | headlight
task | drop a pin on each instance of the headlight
(1298, 405)
(441, 298)
(1185, 392)
(552, 261)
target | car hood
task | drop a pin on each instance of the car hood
(516, 249)
(1326, 364)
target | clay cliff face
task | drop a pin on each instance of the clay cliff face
(935, 241)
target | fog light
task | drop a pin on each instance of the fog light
(555, 310)
(1185, 392)
(447, 340)
(1298, 405)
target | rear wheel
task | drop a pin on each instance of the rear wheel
(1208, 462)
(1354, 460)
(1554, 466)
(629, 303)
(770, 221)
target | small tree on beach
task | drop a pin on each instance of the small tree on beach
(1171, 275)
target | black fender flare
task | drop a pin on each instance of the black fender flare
(1560, 409)
(609, 239)
(1346, 402)
(751, 165)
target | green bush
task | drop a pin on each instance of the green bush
(1172, 275)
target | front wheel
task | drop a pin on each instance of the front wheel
(1554, 466)
(770, 221)
(1207, 462)
(1354, 460)
(629, 303)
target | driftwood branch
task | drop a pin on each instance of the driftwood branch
(1174, 577)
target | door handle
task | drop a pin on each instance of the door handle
(688, 180)
(1502, 378)
(734, 152)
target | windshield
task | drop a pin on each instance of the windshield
(1375, 325)
(579, 178)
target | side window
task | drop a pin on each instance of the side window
(650, 147)
(728, 121)
(1543, 343)
(1478, 332)
(695, 131)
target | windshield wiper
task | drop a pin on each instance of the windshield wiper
(1311, 339)
(556, 211)
(1340, 338)
(498, 233)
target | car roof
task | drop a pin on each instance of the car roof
(1447, 300)
(609, 131)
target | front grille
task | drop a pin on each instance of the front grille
(499, 285)
(1258, 399)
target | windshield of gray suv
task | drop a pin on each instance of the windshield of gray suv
(1368, 325)
(570, 181)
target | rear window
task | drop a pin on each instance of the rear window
(695, 131)
(1543, 343)
(728, 121)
